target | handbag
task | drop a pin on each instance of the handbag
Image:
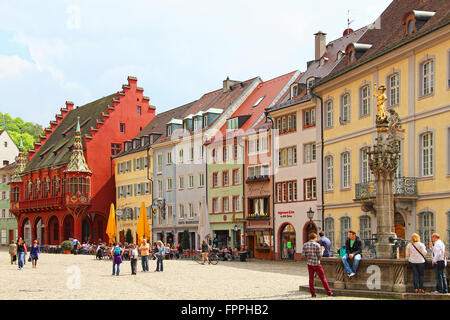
(425, 263)
(29, 258)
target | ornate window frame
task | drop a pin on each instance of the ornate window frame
(392, 73)
(363, 85)
(341, 117)
(341, 157)
(420, 75)
(420, 152)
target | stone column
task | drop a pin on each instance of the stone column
(383, 163)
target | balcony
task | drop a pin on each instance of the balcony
(38, 204)
(403, 187)
(258, 216)
(257, 179)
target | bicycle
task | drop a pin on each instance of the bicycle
(212, 258)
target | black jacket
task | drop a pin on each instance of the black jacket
(357, 246)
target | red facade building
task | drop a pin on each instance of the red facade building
(66, 187)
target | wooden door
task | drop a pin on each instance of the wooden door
(400, 232)
(251, 245)
(11, 236)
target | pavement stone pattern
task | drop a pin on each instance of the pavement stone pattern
(56, 278)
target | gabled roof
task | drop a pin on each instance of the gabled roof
(9, 167)
(315, 69)
(55, 150)
(158, 127)
(388, 32)
(271, 90)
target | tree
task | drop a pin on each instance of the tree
(128, 236)
(16, 127)
(185, 240)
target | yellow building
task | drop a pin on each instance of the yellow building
(133, 178)
(408, 51)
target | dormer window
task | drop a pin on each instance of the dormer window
(355, 50)
(294, 91)
(415, 19)
(309, 83)
(232, 124)
(169, 130)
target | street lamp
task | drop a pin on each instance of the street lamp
(235, 234)
(310, 214)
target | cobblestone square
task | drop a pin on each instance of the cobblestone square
(56, 278)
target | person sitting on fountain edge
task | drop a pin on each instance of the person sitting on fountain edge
(353, 249)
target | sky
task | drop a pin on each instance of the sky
(54, 51)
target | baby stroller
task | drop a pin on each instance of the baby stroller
(100, 253)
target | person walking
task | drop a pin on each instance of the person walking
(439, 263)
(13, 252)
(325, 243)
(415, 252)
(116, 253)
(312, 252)
(34, 253)
(179, 250)
(133, 258)
(160, 256)
(205, 251)
(144, 248)
(21, 252)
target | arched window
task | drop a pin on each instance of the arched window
(329, 230)
(345, 228)
(426, 226)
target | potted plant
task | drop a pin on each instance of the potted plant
(67, 246)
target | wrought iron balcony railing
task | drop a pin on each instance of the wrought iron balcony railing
(402, 186)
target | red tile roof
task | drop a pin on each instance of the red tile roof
(270, 90)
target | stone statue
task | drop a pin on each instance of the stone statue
(381, 100)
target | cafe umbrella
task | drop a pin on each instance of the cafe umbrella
(111, 229)
(143, 227)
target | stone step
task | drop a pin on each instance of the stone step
(380, 294)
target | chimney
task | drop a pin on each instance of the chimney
(227, 83)
(320, 39)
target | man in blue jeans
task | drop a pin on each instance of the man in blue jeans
(353, 250)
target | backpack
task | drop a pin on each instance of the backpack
(117, 251)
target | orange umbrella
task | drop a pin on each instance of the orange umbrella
(143, 227)
(111, 229)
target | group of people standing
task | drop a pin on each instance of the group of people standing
(416, 251)
(18, 252)
(134, 251)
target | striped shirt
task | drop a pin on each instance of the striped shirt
(312, 253)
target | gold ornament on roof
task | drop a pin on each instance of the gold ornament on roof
(381, 100)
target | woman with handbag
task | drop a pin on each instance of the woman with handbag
(34, 253)
(160, 256)
(415, 252)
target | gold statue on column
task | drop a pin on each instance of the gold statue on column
(381, 100)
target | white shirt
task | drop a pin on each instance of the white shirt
(439, 251)
(413, 255)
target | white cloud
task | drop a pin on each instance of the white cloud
(13, 66)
